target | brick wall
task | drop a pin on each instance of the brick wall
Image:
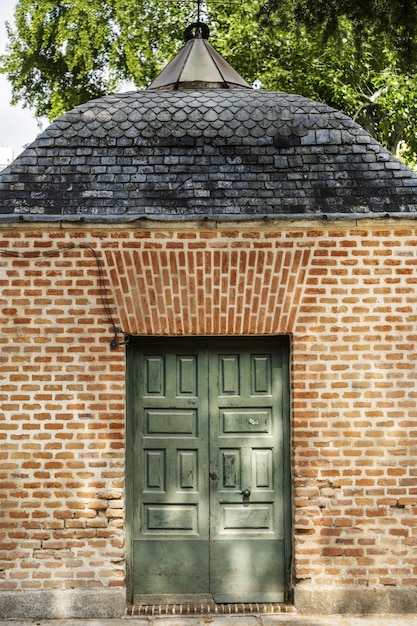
(61, 421)
(346, 292)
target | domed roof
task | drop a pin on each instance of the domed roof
(217, 153)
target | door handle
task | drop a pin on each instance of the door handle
(213, 475)
(245, 493)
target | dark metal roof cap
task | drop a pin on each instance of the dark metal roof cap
(198, 65)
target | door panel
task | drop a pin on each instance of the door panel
(246, 502)
(207, 465)
(170, 465)
(165, 571)
(252, 574)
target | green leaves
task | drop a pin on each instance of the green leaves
(394, 20)
(57, 54)
(357, 57)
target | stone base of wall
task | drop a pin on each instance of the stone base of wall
(106, 603)
(310, 600)
(110, 603)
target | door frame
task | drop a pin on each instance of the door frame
(135, 344)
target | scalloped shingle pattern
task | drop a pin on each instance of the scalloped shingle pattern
(217, 153)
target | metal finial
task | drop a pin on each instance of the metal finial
(197, 30)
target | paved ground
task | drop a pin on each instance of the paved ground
(230, 620)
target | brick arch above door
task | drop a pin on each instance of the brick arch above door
(208, 283)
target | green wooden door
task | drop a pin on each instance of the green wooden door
(208, 483)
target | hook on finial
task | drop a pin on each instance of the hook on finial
(197, 30)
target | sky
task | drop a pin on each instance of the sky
(18, 126)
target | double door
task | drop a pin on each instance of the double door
(208, 470)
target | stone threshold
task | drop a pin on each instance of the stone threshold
(208, 608)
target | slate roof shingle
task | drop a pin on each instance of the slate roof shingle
(217, 153)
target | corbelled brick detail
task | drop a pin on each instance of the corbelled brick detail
(209, 283)
(346, 294)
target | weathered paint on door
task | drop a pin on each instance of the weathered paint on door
(208, 469)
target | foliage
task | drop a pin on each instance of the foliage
(394, 20)
(365, 77)
(356, 57)
(62, 53)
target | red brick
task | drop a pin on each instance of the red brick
(345, 295)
